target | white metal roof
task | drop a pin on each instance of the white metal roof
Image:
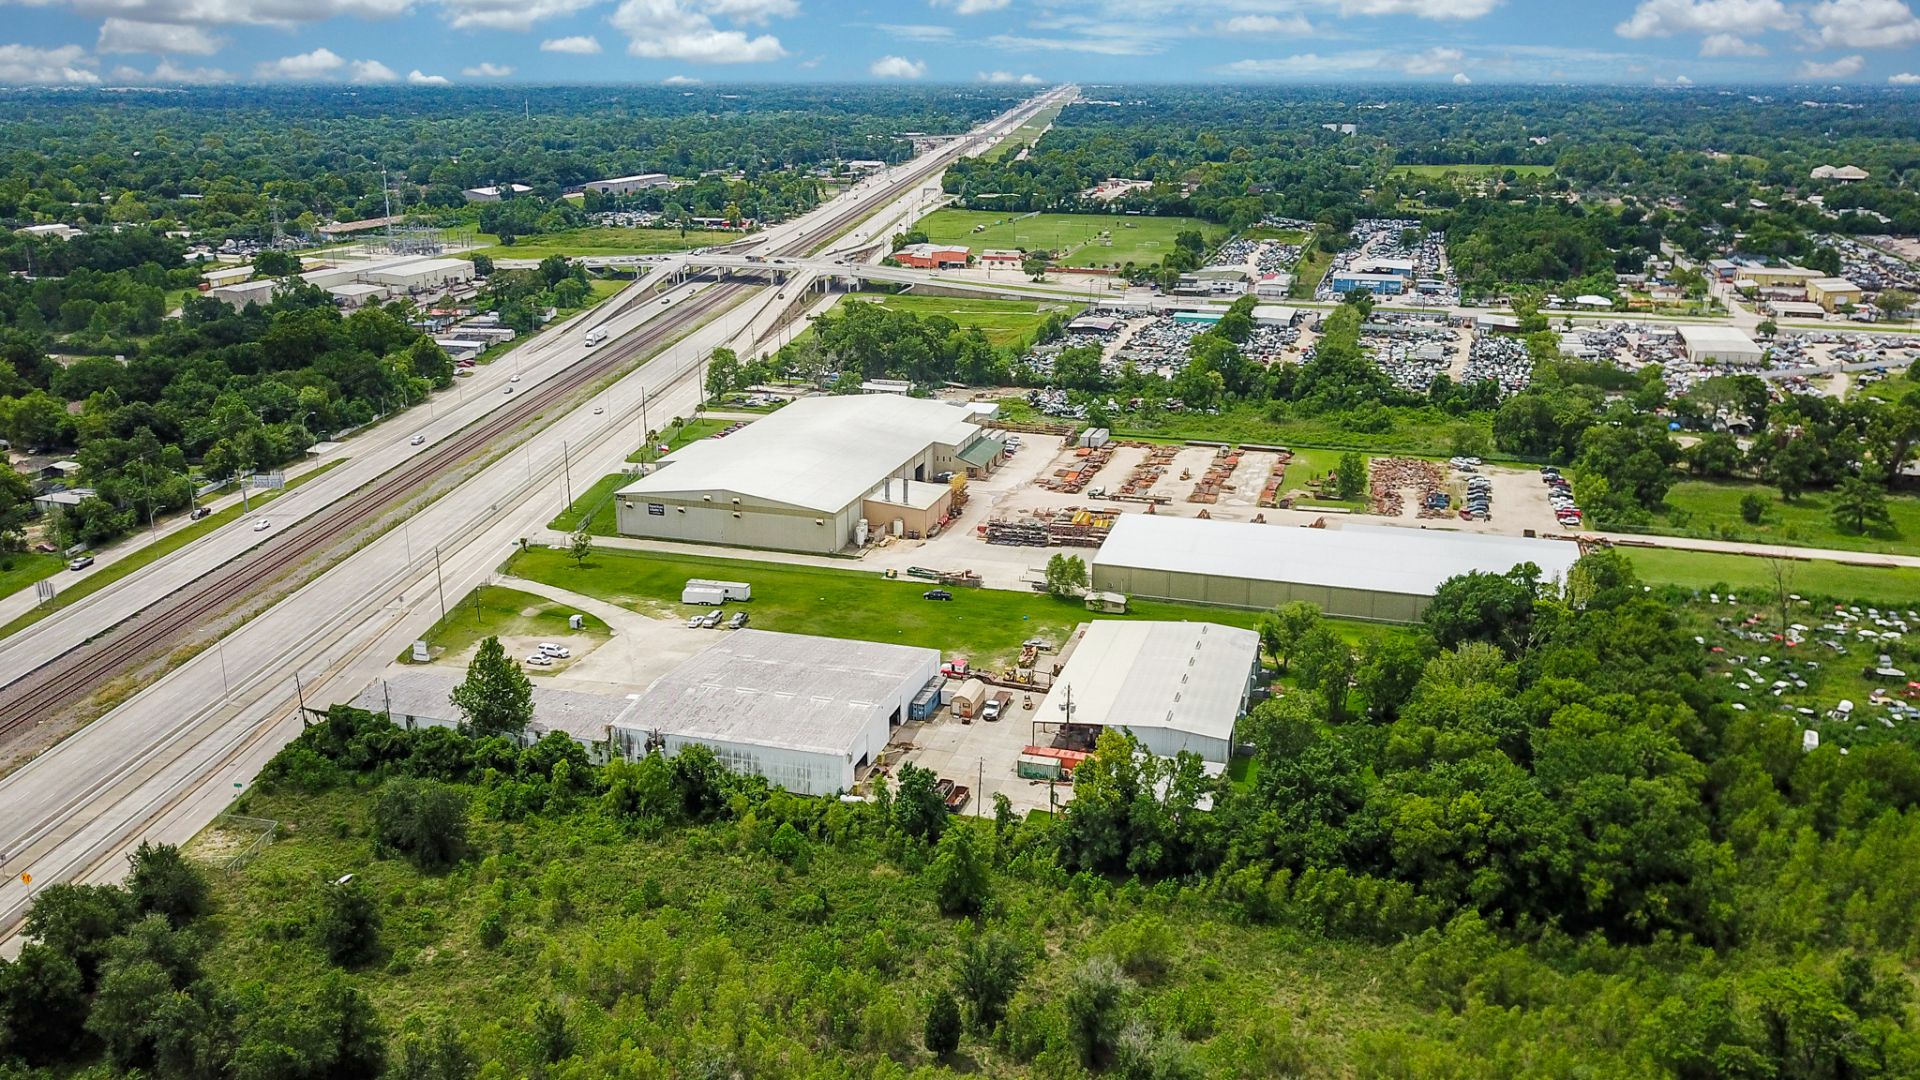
(428, 696)
(1182, 676)
(792, 691)
(1374, 558)
(1712, 337)
(818, 454)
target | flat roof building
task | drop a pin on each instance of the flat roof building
(627, 185)
(1832, 292)
(417, 699)
(1374, 572)
(805, 477)
(495, 192)
(420, 273)
(1380, 284)
(808, 713)
(241, 293)
(1177, 686)
(931, 256)
(1710, 344)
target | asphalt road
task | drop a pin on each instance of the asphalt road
(173, 756)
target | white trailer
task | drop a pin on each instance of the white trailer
(728, 590)
(595, 336)
(698, 594)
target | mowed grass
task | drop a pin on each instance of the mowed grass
(1429, 172)
(1025, 134)
(1712, 510)
(986, 625)
(1313, 266)
(1004, 322)
(22, 568)
(593, 508)
(495, 611)
(604, 241)
(1285, 236)
(678, 435)
(1704, 570)
(1089, 239)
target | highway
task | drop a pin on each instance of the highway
(163, 763)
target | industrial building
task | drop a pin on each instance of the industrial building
(421, 274)
(808, 713)
(804, 478)
(241, 293)
(931, 256)
(1177, 686)
(1832, 293)
(1711, 344)
(417, 699)
(1346, 281)
(1378, 572)
(627, 185)
(495, 192)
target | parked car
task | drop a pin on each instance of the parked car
(710, 620)
(558, 652)
(991, 711)
(81, 563)
(538, 660)
(738, 622)
(957, 668)
(936, 594)
(694, 621)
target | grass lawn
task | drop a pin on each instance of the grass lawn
(1005, 322)
(22, 568)
(1089, 239)
(1704, 570)
(1428, 172)
(1313, 266)
(172, 542)
(594, 507)
(1309, 463)
(1421, 432)
(679, 435)
(1712, 510)
(493, 611)
(602, 241)
(1263, 232)
(986, 625)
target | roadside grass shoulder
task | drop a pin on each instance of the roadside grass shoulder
(20, 569)
(593, 508)
(1004, 322)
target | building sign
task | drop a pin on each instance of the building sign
(657, 509)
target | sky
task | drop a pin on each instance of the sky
(432, 43)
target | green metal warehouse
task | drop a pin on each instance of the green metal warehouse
(1382, 573)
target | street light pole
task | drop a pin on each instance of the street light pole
(439, 584)
(566, 471)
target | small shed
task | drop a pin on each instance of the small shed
(969, 698)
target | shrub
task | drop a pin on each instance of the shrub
(942, 1035)
(422, 819)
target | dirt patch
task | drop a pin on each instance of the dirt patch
(520, 647)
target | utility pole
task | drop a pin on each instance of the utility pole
(566, 470)
(439, 583)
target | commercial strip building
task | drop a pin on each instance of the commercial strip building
(1710, 343)
(806, 477)
(1347, 281)
(1376, 572)
(808, 713)
(931, 256)
(1177, 686)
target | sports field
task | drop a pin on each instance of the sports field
(1428, 172)
(1005, 322)
(1088, 239)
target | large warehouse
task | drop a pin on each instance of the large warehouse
(1175, 685)
(1707, 343)
(1357, 571)
(805, 712)
(417, 699)
(805, 477)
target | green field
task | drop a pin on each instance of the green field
(1028, 132)
(1005, 322)
(986, 625)
(19, 569)
(675, 436)
(494, 611)
(1704, 570)
(172, 542)
(1089, 239)
(602, 241)
(593, 507)
(1712, 510)
(1313, 266)
(1285, 236)
(1431, 172)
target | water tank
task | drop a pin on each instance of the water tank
(860, 533)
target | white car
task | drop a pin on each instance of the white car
(515, 377)
(417, 440)
(538, 660)
(262, 525)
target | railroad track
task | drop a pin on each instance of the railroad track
(29, 696)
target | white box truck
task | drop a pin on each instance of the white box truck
(729, 590)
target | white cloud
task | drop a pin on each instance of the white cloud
(1425, 9)
(1666, 18)
(168, 72)
(1308, 64)
(896, 67)
(1730, 45)
(971, 7)
(1099, 45)
(684, 30)
(1905, 78)
(1292, 25)
(1003, 78)
(1434, 61)
(30, 64)
(1845, 67)
(579, 45)
(1866, 24)
(416, 77)
(509, 14)
(487, 69)
(318, 64)
(1460, 78)
(370, 71)
(679, 80)
(129, 36)
(916, 31)
(235, 12)
(1682, 80)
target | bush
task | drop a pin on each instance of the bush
(422, 819)
(1753, 507)
(348, 929)
(942, 1035)
(164, 883)
(959, 873)
(1095, 1002)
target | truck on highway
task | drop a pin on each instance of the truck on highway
(595, 336)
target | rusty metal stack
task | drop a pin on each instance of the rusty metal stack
(1390, 477)
(1215, 479)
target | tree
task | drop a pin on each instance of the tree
(723, 372)
(496, 698)
(1095, 1004)
(1352, 475)
(1323, 662)
(1753, 507)
(942, 1033)
(163, 882)
(1066, 576)
(1791, 467)
(348, 928)
(918, 809)
(1282, 628)
(580, 547)
(959, 873)
(1896, 302)
(987, 973)
(1475, 606)
(422, 819)
(439, 1055)
(277, 264)
(482, 265)
(1034, 265)
(1859, 502)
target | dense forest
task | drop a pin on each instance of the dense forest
(1528, 838)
